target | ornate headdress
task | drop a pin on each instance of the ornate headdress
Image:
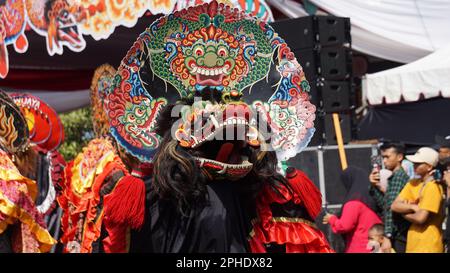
(209, 47)
(13, 127)
(44, 124)
(101, 81)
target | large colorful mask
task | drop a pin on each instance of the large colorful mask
(13, 127)
(211, 48)
(99, 88)
(44, 124)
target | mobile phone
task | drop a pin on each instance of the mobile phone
(437, 175)
(376, 161)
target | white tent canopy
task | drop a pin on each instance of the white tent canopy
(429, 76)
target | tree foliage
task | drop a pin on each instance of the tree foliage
(78, 132)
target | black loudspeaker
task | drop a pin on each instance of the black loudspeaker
(308, 59)
(325, 133)
(315, 96)
(319, 138)
(333, 30)
(335, 95)
(346, 128)
(320, 46)
(298, 33)
(330, 96)
(310, 31)
(332, 63)
(335, 63)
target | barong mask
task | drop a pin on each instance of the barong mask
(100, 84)
(13, 127)
(247, 79)
(44, 124)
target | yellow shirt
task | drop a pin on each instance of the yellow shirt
(428, 236)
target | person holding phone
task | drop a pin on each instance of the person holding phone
(395, 227)
(444, 152)
(446, 180)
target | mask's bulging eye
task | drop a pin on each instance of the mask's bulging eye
(131, 118)
(222, 52)
(199, 51)
(139, 112)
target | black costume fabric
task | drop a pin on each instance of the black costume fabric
(5, 242)
(221, 225)
(53, 217)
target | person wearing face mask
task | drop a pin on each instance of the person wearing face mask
(446, 180)
(420, 202)
(444, 152)
(443, 147)
(395, 226)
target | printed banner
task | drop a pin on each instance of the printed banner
(62, 23)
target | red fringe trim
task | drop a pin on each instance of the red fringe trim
(126, 203)
(307, 192)
(298, 237)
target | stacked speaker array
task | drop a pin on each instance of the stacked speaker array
(322, 45)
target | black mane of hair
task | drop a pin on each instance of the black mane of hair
(178, 178)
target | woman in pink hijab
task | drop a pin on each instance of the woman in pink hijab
(358, 212)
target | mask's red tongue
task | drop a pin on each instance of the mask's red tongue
(224, 153)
